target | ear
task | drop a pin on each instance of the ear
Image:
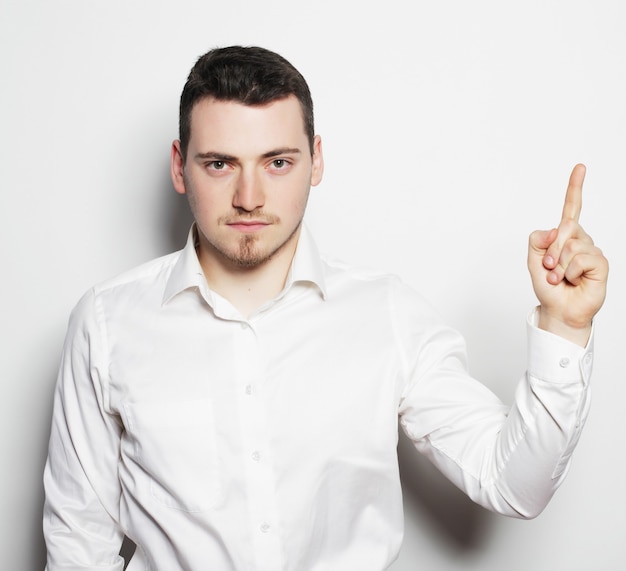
(177, 165)
(318, 161)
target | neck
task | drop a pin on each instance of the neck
(245, 288)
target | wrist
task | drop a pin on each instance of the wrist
(578, 334)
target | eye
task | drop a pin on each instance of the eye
(218, 167)
(280, 166)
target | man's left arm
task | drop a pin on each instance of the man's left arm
(512, 461)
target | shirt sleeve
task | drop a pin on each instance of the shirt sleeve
(80, 478)
(511, 459)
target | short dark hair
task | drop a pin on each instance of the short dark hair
(248, 75)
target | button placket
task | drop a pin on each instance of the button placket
(259, 477)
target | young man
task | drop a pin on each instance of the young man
(234, 405)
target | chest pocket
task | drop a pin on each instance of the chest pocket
(175, 443)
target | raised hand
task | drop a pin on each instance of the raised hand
(569, 273)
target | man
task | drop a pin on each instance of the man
(234, 405)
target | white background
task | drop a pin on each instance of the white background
(450, 129)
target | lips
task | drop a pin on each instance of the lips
(248, 225)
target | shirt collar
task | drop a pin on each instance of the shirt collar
(187, 272)
(306, 267)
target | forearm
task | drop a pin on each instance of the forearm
(533, 449)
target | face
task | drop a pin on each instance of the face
(247, 176)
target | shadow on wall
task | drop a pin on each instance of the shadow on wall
(461, 523)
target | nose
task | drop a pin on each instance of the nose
(249, 194)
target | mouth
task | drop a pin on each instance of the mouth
(247, 226)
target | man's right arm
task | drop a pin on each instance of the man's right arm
(80, 478)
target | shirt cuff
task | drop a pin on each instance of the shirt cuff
(555, 359)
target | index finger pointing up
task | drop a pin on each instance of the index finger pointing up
(574, 195)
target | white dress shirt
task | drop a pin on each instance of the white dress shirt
(223, 443)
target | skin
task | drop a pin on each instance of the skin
(247, 175)
(569, 273)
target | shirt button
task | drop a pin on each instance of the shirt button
(248, 389)
(264, 527)
(256, 455)
(564, 362)
(588, 358)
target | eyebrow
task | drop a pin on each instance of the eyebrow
(215, 156)
(281, 151)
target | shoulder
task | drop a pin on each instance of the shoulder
(144, 281)
(341, 272)
(393, 307)
(373, 285)
(148, 274)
